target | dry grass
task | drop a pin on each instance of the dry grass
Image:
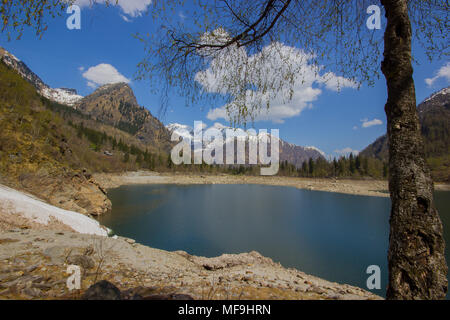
(10, 221)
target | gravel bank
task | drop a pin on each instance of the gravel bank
(375, 188)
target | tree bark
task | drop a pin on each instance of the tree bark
(417, 267)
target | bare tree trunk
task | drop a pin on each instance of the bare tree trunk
(417, 267)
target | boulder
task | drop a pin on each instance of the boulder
(102, 290)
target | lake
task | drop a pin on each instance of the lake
(330, 235)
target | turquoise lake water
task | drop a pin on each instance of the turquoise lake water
(330, 235)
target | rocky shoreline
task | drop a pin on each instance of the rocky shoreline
(377, 188)
(78, 191)
(33, 265)
(362, 187)
(34, 257)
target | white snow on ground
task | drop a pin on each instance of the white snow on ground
(16, 202)
(62, 96)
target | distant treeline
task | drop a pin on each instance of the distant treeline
(350, 166)
(135, 158)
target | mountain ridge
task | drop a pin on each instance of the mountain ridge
(434, 117)
(116, 105)
(61, 95)
(289, 152)
(113, 104)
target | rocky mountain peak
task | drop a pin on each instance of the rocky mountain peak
(438, 100)
(115, 104)
(434, 117)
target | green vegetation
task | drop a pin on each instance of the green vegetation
(344, 167)
(41, 137)
(434, 116)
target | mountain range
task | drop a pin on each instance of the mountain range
(434, 117)
(60, 95)
(115, 105)
(113, 109)
(289, 152)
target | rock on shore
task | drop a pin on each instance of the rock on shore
(77, 192)
(33, 265)
(21, 209)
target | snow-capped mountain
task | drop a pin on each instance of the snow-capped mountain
(60, 95)
(435, 96)
(289, 152)
(434, 117)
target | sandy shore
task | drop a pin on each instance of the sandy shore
(375, 188)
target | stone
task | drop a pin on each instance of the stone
(81, 260)
(32, 292)
(102, 290)
(31, 268)
(56, 254)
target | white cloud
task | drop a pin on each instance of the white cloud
(336, 83)
(81, 69)
(133, 8)
(125, 18)
(347, 151)
(275, 63)
(103, 73)
(443, 72)
(375, 122)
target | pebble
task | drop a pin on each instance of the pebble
(33, 292)
(31, 268)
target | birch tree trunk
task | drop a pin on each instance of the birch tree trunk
(417, 267)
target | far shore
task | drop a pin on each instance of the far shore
(362, 187)
(377, 188)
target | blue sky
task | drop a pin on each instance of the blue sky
(333, 122)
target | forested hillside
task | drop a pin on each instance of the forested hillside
(434, 116)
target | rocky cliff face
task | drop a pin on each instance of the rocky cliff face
(116, 105)
(60, 95)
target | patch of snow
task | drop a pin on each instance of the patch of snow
(62, 96)
(16, 202)
(8, 54)
(14, 57)
(316, 149)
(443, 91)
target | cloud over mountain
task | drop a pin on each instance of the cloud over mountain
(346, 151)
(103, 73)
(443, 72)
